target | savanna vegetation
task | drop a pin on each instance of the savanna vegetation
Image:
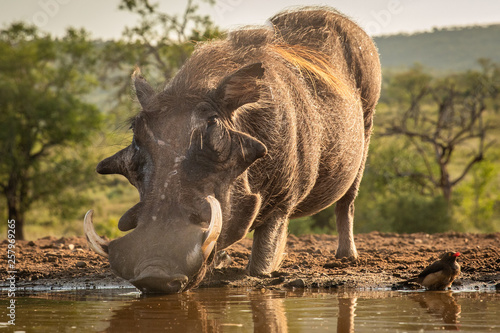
(434, 157)
(65, 102)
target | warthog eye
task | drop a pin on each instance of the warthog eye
(212, 120)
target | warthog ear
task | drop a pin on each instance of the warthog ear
(114, 164)
(142, 88)
(240, 87)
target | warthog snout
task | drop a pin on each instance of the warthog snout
(154, 279)
(161, 257)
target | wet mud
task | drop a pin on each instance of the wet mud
(385, 261)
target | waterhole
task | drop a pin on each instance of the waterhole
(253, 310)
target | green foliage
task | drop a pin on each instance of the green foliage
(161, 42)
(409, 212)
(43, 118)
(477, 201)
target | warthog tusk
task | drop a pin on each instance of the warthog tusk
(96, 243)
(213, 232)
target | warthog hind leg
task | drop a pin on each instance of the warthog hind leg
(344, 209)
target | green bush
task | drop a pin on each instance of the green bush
(413, 213)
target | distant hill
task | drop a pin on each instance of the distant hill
(450, 49)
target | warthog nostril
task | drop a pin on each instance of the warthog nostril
(156, 280)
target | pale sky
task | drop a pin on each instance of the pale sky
(377, 17)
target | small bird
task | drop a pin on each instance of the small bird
(440, 274)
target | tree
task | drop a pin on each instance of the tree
(160, 43)
(42, 84)
(443, 116)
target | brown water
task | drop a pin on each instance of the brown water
(241, 310)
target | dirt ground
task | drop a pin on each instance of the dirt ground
(385, 260)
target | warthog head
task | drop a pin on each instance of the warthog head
(184, 158)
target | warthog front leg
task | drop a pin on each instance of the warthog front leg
(269, 241)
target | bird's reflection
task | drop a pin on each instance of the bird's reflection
(441, 304)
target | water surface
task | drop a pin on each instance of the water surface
(250, 310)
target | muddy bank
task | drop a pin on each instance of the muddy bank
(385, 259)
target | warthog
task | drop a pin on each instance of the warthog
(269, 124)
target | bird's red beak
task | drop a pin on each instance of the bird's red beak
(456, 254)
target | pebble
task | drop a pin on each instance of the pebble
(81, 264)
(334, 264)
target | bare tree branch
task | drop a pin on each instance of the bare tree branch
(475, 160)
(445, 113)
